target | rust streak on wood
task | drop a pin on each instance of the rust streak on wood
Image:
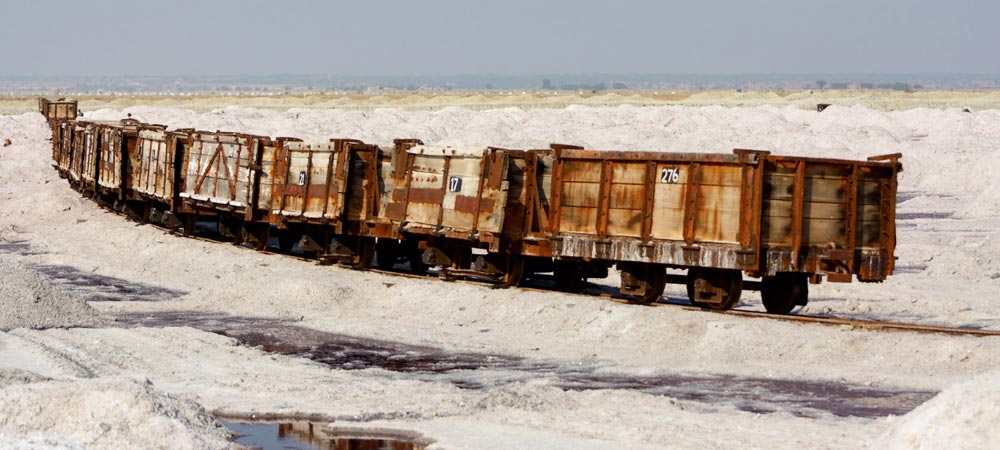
(691, 202)
(798, 196)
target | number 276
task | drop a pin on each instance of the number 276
(670, 175)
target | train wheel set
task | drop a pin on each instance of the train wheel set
(502, 214)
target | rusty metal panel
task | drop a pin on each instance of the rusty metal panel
(830, 216)
(55, 110)
(152, 163)
(663, 208)
(313, 178)
(63, 145)
(580, 196)
(455, 192)
(626, 198)
(219, 168)
(88, 164)
(77, 144)
(266, 179)
(109, 173)
(718, 213)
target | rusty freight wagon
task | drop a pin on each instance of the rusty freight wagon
(453, 200)
(219, 175)
(788, 220)
(57, 110)
(115, 142)
(62, 146)
(326, 195)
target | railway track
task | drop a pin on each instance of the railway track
(844, 323)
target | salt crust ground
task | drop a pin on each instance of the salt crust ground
(32, 301)
(108, 413)
(964, 416)
(950, 157)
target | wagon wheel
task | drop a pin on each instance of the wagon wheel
(716, 289)
(568, 275)
(656, 279)
(386, 253)
(513, 273)
(782, 292)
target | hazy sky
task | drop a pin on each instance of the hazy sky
(139, 37)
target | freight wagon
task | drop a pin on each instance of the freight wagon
(509, 214)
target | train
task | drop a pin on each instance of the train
(718, 223)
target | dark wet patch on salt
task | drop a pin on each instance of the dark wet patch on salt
(213, 322)
(470, 370)
(916, 268)
(90, 286)
(923, 215)
(99, 288)
(22, 248)
(761, 395)
(303, 435)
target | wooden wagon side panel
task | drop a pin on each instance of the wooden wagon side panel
(88, 164)
(110, 167)
(218, 168)
(580, 196)
(76, 150)
(310, 184)
(152, 164)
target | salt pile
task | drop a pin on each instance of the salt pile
(961, 417)
(29, 300)
(112, 413)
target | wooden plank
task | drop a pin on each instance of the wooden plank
(582, 171)
(580, 194)
(648, 203)
(626, 196)
(717, 225)
(628, 172)
(721, 175)
(668, 210)
(574, 219)
(797, 199)
(603, 208)
(625, 222)
(691, 203)
(850, 219)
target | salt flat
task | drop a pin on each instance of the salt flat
(947, 247)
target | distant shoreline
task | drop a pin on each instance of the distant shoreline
(805, 99)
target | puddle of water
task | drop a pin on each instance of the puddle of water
(93, 287)
(302, 435)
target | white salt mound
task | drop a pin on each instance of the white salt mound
(36, 441)
(109, 414)
(963, 416)
(28, 299)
